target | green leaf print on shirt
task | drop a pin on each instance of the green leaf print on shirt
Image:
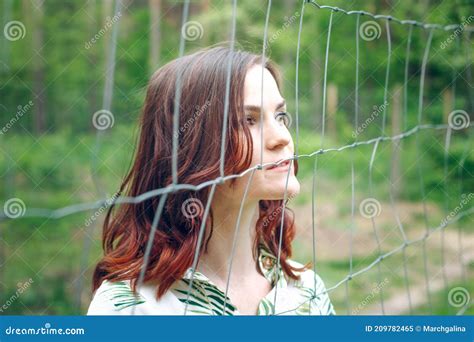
(122, 295)
(205, 298)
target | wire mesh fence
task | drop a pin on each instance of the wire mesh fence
(398, 263)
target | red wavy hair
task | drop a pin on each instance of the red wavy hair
(127, 227)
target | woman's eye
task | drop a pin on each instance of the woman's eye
(284, 117)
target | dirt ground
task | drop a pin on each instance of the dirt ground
(333, 238)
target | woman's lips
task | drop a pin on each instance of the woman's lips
(283, 166)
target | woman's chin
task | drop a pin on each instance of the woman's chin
(277, 192)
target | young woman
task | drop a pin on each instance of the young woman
(251, 219)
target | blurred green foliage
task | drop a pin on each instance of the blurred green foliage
(52, 168)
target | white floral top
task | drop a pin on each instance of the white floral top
(303, 297)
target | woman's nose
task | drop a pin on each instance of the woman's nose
(276, 135)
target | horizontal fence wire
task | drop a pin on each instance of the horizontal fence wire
(86, 206)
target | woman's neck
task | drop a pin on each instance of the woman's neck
(216, 262)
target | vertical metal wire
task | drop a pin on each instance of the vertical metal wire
(405, 127)
(315, 165)
(224, 130)
(297, 97)
(174, 162)
(265, 42)
(149, 245)
(420, 171)
(404, 252)
(447, 144)
(387, 74)
(227, 88)
(222, 161)
(285, 196)
(107, 97)
(177, 99)
(405, 80)
(460, 235)
(468, 148)
(356, 125)
(384, 119)
(374, 227)
(202, 229)
(106, 105)
(278, 266)
(469, 69)
(234, 242)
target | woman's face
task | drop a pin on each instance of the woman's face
(277, 144)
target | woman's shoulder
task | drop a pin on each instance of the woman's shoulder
(118, 298)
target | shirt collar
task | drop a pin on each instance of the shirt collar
(267, 263)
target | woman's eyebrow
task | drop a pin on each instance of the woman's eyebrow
(253, 108)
